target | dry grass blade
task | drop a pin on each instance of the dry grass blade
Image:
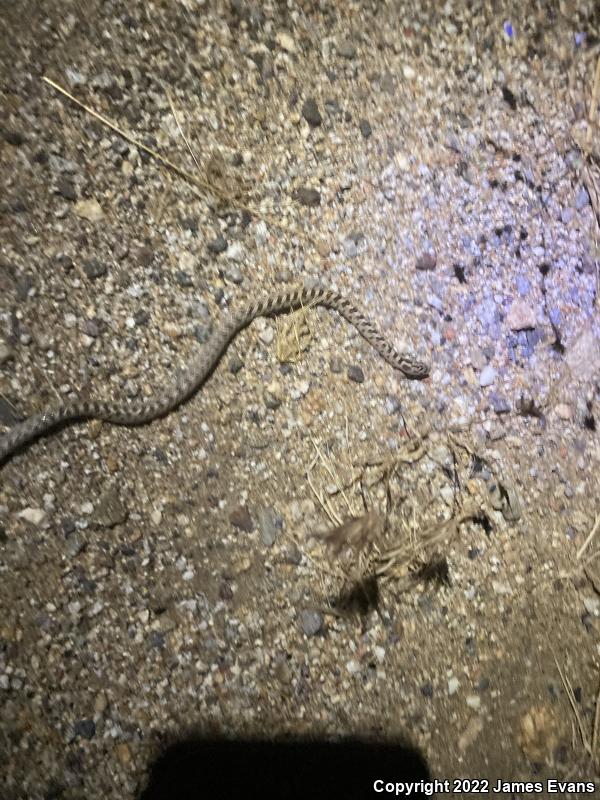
(293, 337)
(13, 409)
(570, 695)
(593, 107)
(323, 501)
(589, 538)
(183, 136)
(129, 138)
(355, 533)
(396, 561)
(196, 183)
(334, 476)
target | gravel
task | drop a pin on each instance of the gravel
(431, 166)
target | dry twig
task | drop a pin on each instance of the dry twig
(589, 537)
(196, 182)
(571, 697)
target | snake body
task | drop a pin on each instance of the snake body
(144, 411)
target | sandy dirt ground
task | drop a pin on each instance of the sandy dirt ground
(312, 545)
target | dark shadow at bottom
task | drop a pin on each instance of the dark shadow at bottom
(202, 768)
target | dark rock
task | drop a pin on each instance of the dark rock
(183, 279)
(509, 98)
(190, 224)
(308, 197)
(91, 328)
(24, 283)
(16, 138)
(141, 317)
(84, 728)
(94, 268)
(293, 555)
(157, 640)
(68, 526)
(365, 128)
(66, 189)
(65, 261)
(311, 113)
(235, 365)
(225, 591)
(240, 518)
(218, 245)
(356, 374)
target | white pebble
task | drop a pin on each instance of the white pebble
(33, 515)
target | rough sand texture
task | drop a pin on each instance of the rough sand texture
(171, 578)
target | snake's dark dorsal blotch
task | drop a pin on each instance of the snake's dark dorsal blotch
(142, 411)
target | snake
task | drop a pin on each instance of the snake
(139, 412)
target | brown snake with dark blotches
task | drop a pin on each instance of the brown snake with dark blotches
(140, 412)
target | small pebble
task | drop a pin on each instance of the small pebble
(426, 262)
(564, 411)
(473, 701)
(521, 316)
(285, 41)
(350, 248)
(311, 621)
(218, 245)
(123, 753)
(234, 275)
(336, 364)
(85, 729)
(499, 404)
(6, 354)
(35, 516)
(592, 605)
(94, 268)
(269, 524)
(235, 252)
(311, 113)
(582, 199)
(487, 376)
(356, 374)
(235, 365)
(346, 49)
(66, 189)
(267, 335)
(365, 128)
(89, 209)
(308, 197)
(240, 518)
